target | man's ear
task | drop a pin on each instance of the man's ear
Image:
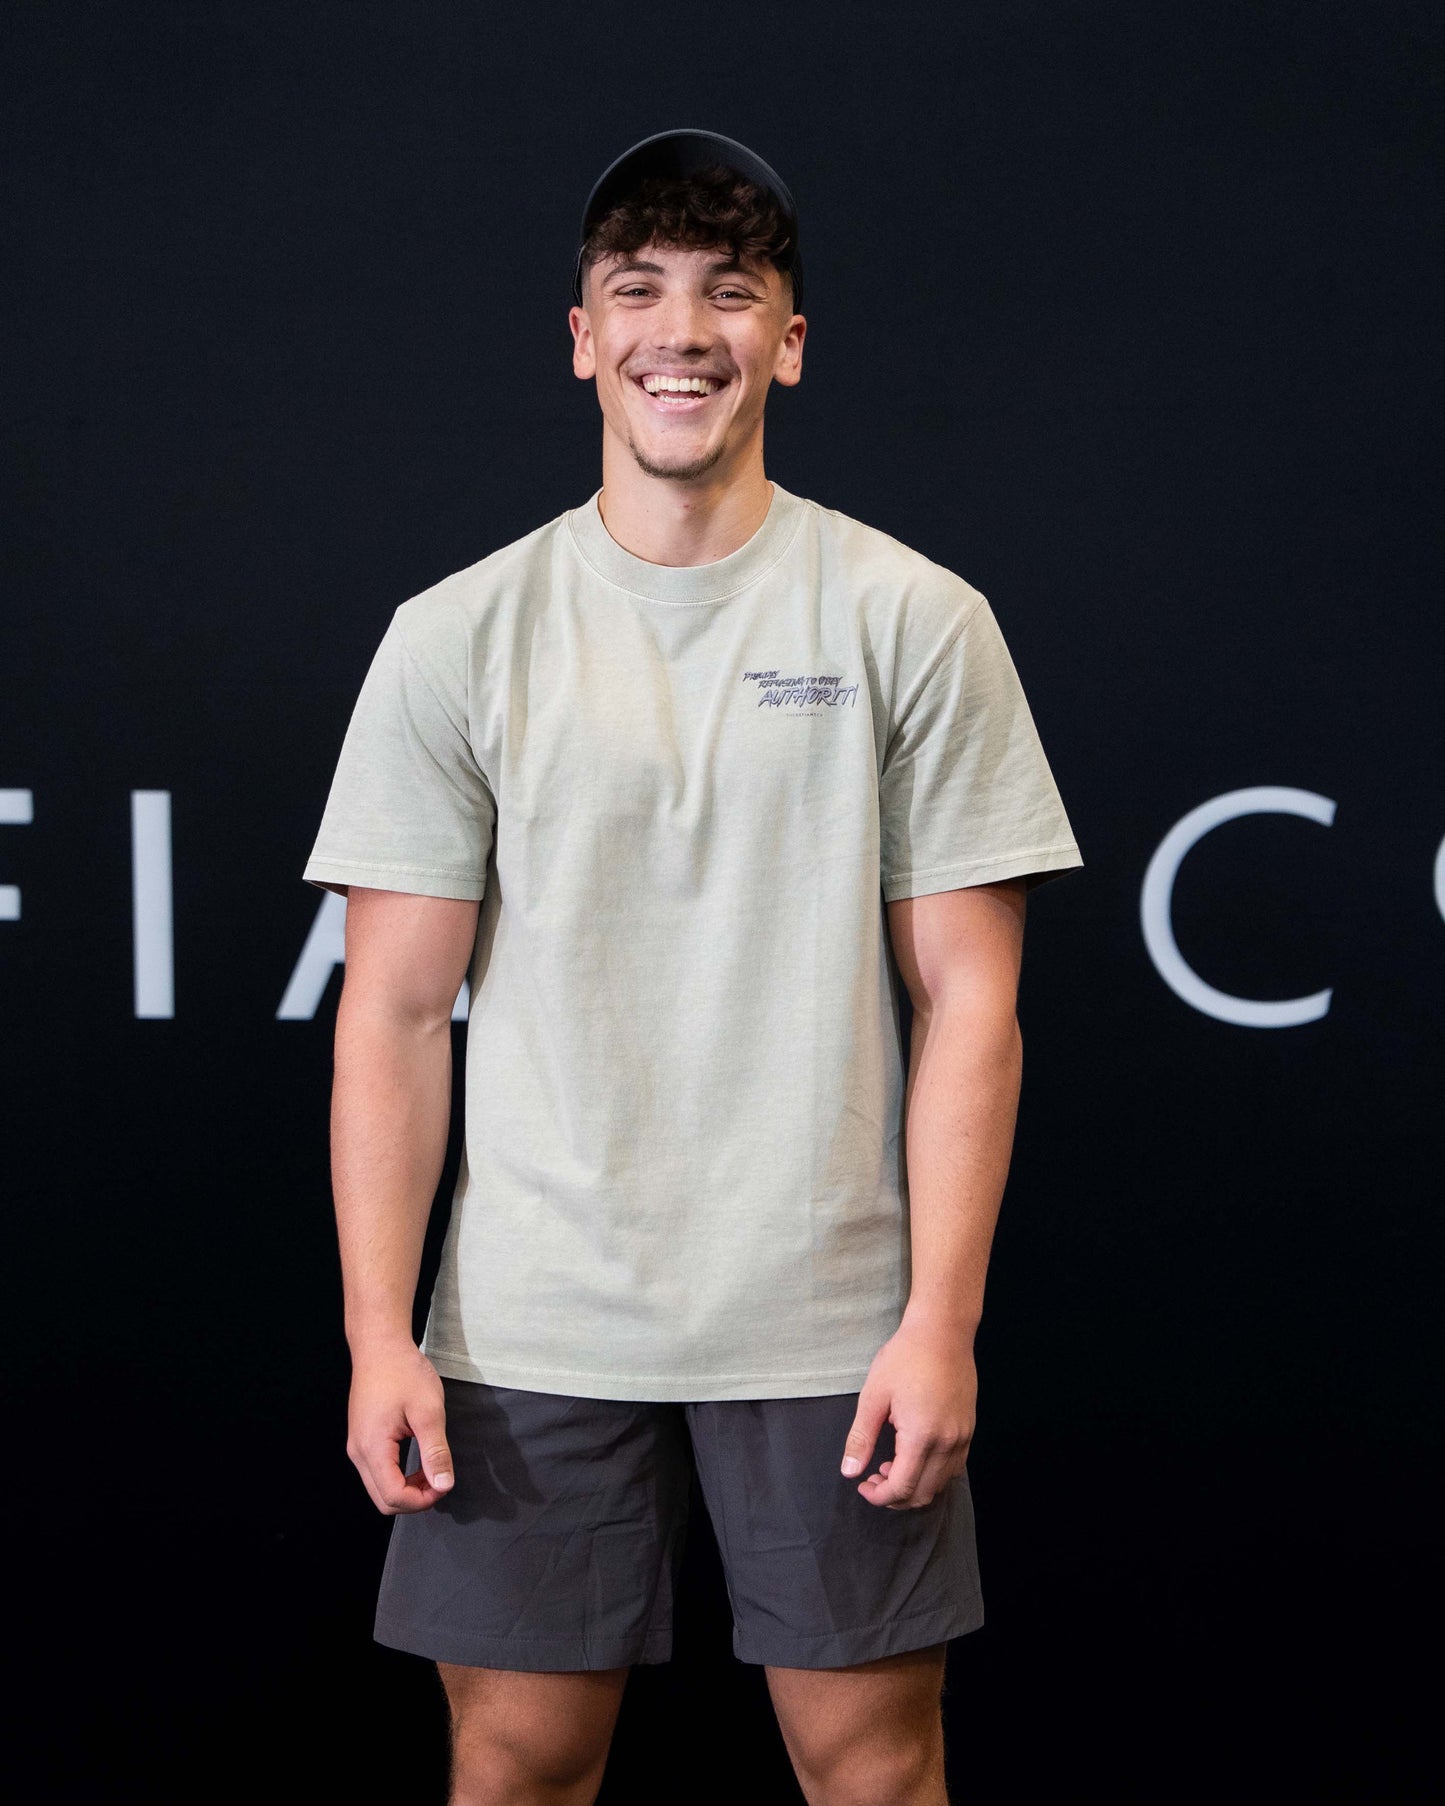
(788, 365)
(584, 356)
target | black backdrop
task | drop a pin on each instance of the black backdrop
(1122, 312)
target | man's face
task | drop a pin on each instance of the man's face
(662, 313)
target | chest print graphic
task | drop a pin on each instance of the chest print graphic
(801, 694)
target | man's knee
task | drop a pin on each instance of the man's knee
(521, 1737)
(869, 1733)
(899, 1771)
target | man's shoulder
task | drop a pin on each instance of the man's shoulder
(890, 575)
(497, 574)
(441, 622)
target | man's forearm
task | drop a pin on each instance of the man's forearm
(961, 1107)
(390, 1114)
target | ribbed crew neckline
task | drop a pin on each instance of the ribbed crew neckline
(687, 583)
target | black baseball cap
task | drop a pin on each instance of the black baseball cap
(681, 154)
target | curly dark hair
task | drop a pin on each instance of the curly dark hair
(695, 212)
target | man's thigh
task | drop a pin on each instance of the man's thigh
(558, 1547)
(818, 1577)
(515, 1730)
(872, 1731)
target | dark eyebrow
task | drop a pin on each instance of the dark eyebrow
(636, 266)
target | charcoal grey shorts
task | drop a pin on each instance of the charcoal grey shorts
(560, 1543)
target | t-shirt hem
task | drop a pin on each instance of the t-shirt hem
(926, 882)
(643, 1388)
(424, 881)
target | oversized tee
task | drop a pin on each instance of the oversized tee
(682, 796)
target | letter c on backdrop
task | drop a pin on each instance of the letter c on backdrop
(1157, 897)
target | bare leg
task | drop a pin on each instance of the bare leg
(529, 1739)
(870, 1735)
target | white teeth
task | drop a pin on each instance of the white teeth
(679, 385)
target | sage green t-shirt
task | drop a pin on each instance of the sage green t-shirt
(682, 795)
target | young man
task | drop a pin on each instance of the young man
(685, 783)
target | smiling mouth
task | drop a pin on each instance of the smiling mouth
(689, 399)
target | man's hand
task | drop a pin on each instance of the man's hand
(925, 1382)
(395, 1393)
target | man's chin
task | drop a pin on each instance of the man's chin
(676, 467)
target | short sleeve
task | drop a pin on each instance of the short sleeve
(409, 807)
(966, 795)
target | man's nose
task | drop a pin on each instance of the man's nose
(680, 321)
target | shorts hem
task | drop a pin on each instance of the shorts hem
(528, 1655)
(864, 1643)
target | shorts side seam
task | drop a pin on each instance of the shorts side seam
(720, 1523)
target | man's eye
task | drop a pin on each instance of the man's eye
(740, 294)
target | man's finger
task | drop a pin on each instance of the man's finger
(391, 1488)
(904, 1473)
(366, 1480)
(381, 1471)
(428, 1425)
(871, 1415)
(931, 1482)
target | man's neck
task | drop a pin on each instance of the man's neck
(683, 523)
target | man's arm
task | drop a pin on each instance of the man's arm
(959, 954)
(406, 956)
